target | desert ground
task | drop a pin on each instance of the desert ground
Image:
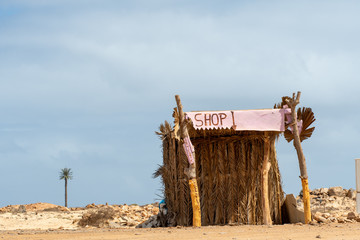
(333, 213)
(286, 232)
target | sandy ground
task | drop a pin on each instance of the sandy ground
(40, 220)
(46, 216)
(40, 216)
(286, 232)
(43, 221)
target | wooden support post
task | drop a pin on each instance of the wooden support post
(297, 144)
(265, 182)
(191, 171)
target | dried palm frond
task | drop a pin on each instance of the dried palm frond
(176, 116)
(159, 172)
(164, 130)
(283, 102)
(168, 127)
(161, 132)
(307, 117)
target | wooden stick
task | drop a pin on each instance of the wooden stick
(302, 164)
(191, 171)
(183, 128)
(265, 182)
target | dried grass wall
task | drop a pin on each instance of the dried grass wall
(229, 177)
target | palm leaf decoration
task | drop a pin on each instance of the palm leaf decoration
(304, 114)
(307, 117)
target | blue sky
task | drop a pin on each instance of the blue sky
(84, 84)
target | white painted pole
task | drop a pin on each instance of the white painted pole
(357, 172)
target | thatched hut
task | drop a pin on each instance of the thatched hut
(229, 159)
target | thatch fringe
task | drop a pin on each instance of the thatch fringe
(228, 173)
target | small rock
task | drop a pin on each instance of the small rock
(351, 215)
(301, 193)
(324, 190)
(351, 193)
(336, 191)
(324, 193)
(320, 219)
(318, 236)
(341, 220)
(113, 224)
(131, 223)
(315, 192)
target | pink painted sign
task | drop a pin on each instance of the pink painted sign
(189, 149)
(211, 120)
(241, 120)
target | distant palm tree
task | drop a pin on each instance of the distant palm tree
(66, 174)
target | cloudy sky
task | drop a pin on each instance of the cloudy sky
(84, 85)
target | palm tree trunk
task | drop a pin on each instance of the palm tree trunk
(65, 192)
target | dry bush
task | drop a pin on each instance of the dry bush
(97, 217)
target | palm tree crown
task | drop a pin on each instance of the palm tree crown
(66, 173)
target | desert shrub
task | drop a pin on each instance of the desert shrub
(97, 217)
(20, 209)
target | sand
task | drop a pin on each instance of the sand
(40, 216)
(285, 232)
(44, 221)
(41, 221)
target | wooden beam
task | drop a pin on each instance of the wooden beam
(265, 182)
(191, 171)
(293, 102)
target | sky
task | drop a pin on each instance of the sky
(85, 84)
